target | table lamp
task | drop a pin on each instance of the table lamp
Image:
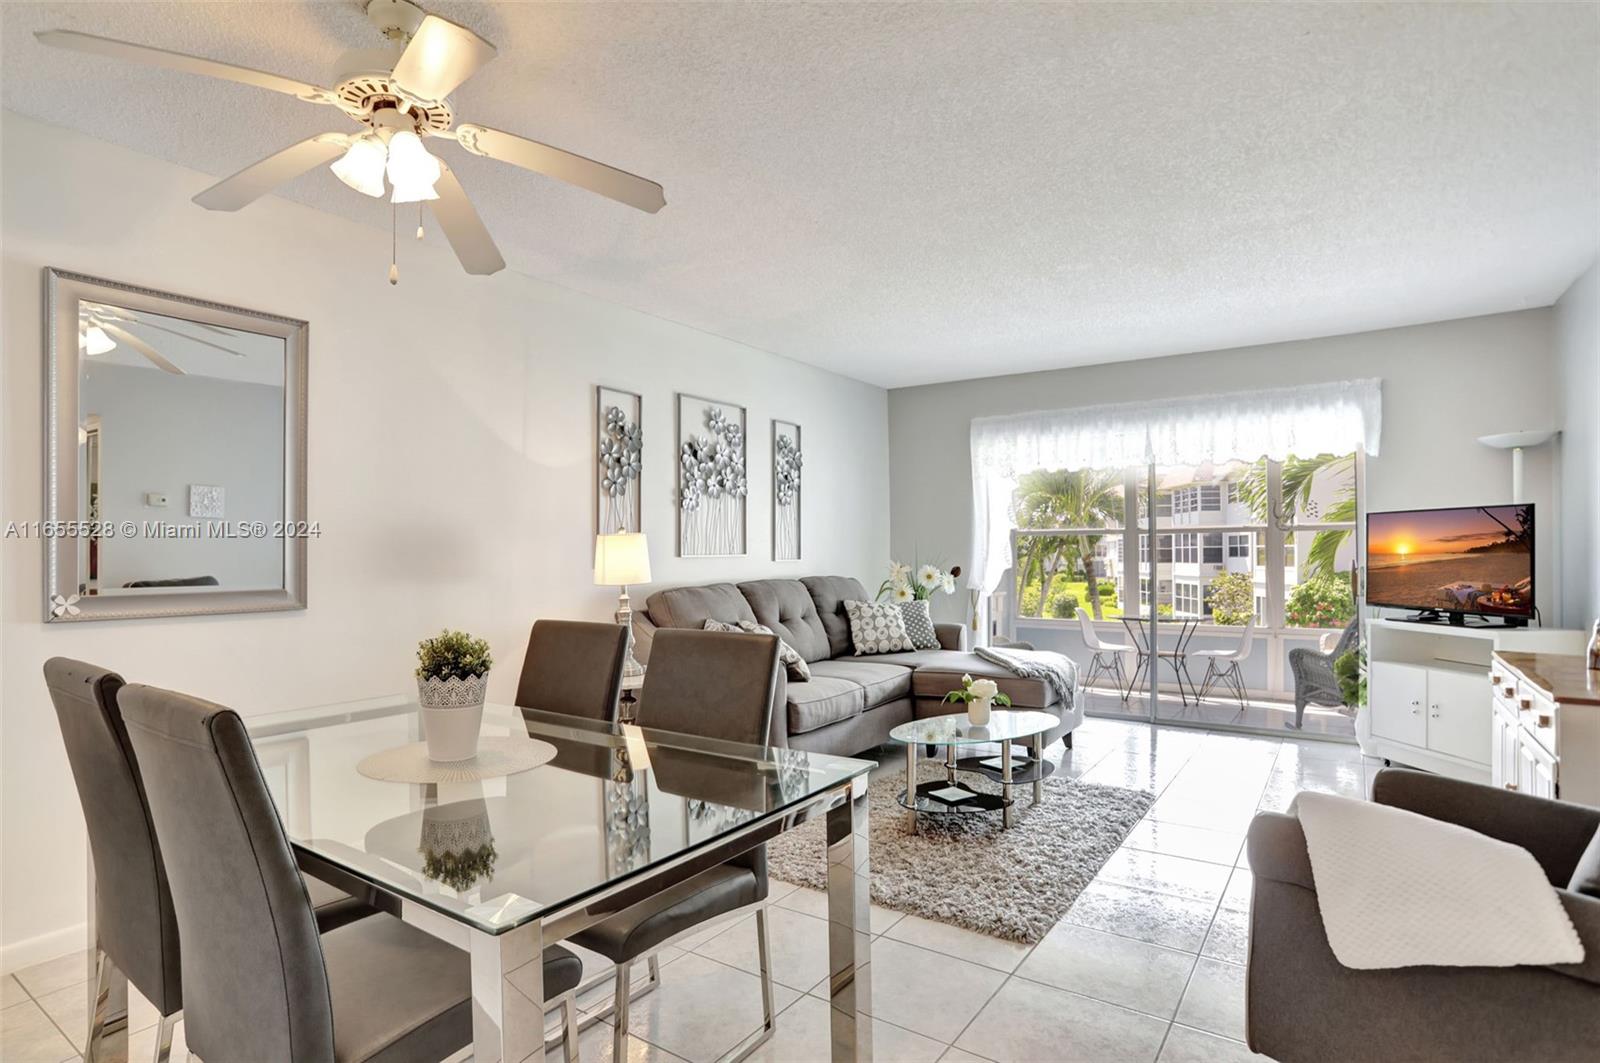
(619, 560)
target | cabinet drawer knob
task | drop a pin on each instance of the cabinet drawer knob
(1511, 786)
(1545, 719)
(1526, 703)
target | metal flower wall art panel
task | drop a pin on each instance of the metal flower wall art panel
(621, 456)
(786, 462)
(712, 478)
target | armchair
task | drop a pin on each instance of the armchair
(1303, 1006)
(1314, 681)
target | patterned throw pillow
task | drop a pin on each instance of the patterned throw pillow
(877, 627)
(919, 624)
(794, 664)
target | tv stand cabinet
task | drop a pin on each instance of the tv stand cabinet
(1429, 696)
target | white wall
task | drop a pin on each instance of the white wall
(162, 433)
(1443, 386)
(451, 453)
(1578, 337)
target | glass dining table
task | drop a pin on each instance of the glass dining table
(503, 867)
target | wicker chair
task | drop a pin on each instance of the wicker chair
(1314, 681)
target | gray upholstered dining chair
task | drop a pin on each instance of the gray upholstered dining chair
(713, 685)
(573, 667)
(260, 981)
(136, 933)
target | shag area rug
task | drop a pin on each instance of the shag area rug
(964, 869)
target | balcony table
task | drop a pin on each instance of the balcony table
(620, 814)
(1177, 657)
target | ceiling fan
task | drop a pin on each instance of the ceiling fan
(399, 93)
(101, 330)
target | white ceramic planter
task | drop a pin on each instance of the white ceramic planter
(978, 710)
(452, 716)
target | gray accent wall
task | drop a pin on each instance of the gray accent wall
(1578, 336)
(1444, 385)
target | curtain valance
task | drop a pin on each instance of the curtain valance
(1310, 419)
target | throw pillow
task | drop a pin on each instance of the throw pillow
(1586, 876)
(919, 624)
(877, 627)
(793, 664)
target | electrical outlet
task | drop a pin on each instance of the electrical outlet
(155, 499)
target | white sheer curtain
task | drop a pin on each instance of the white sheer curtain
(1311, 419)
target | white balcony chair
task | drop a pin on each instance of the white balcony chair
(1107, 659)
(1222, 666)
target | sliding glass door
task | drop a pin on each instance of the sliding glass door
(1232, 565)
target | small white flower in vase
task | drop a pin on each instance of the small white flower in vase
(980, 696)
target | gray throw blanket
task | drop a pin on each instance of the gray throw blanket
(1057, 669)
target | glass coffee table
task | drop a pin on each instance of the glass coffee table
(951, 796)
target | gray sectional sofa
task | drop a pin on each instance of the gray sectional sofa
(850, 703)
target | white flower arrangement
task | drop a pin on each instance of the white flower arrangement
(917, 583)
(979, 690)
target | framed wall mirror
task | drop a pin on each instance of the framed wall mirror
(175, 455)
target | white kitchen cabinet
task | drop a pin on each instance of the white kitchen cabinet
(1429, 699)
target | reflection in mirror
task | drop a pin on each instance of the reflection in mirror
(175, 455)
(181, 428)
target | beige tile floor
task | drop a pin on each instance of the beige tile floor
(1146, 967)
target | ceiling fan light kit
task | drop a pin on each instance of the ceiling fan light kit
(399, 92)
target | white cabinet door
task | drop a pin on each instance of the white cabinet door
(1541, 770)
(1458, 714)
(1503, 748)
(1396, 694)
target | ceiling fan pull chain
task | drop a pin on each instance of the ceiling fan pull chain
(394, 256)
(419, 219)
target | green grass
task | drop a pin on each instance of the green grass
(1110, 608)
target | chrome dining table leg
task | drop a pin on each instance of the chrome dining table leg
(849, 929)
(507, 1025)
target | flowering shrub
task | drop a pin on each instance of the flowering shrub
(1321, 601)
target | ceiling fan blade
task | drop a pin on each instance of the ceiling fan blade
(439, 58)
(462, 227)
(257, 179)
(608, 181)
(189, 64)
(135, 319)
(122, 335)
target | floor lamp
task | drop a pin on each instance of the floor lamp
(1517, 442)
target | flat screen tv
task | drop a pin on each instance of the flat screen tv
(1453, 563)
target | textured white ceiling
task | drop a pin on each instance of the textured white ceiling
(931, 192)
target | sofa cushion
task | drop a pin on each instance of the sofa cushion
(939, 671)
(829, 593)
(822, 700)
(794, 665)
(693, 606)
(785, 606)
(883, 683)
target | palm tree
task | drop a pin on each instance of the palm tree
(1297, 477)
(1056, 498)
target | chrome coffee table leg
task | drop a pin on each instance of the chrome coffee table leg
(911, 787)
(1008, 814)
(950, 765)
(1038, 767)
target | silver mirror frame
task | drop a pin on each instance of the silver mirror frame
(62, 602)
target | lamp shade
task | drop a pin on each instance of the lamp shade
(621, 559)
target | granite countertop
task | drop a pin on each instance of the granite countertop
(1563, 676)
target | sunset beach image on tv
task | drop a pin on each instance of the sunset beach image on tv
(1476, 559)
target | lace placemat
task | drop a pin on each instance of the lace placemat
(497, 756)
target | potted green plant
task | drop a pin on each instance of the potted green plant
(980, 696)
(452, 675)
